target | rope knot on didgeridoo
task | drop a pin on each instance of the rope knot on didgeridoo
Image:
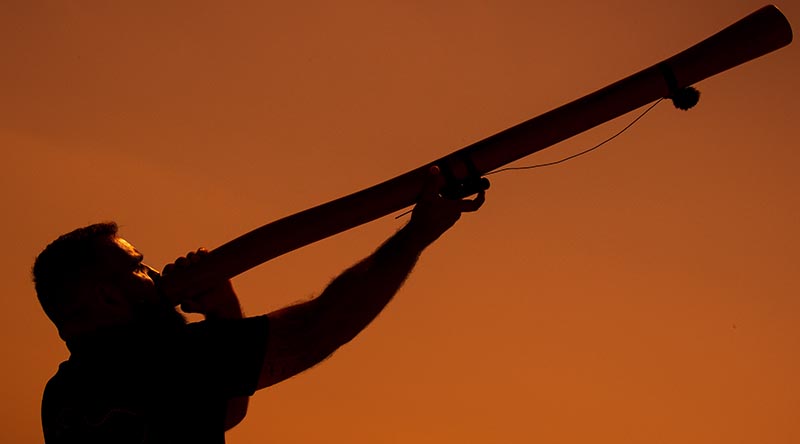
(685, 98)
(682, 97)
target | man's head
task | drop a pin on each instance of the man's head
(89, 279)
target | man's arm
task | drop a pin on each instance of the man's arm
(302, 335)
(217, 303)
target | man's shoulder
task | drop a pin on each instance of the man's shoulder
(72, 384)
(70, 410)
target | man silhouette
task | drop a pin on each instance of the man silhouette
(138, 373)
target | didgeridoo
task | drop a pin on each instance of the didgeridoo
(759, 33)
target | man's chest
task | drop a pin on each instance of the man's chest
(128, 407)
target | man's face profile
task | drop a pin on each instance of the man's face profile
(125, 268)
(126, 290)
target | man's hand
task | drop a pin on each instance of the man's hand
(434, 214)
(217, 302)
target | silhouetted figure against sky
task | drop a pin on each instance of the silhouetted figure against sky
(139, 373)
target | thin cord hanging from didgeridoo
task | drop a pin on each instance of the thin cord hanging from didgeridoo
(541, 165)
(530, 167)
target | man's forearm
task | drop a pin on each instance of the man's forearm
(305, 334)
(358, 295)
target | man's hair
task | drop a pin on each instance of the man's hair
(65, 262)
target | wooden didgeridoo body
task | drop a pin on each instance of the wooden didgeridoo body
(753, 36)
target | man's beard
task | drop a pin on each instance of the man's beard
(153, 309)
(158, 315)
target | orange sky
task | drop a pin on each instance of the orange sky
(643, 293)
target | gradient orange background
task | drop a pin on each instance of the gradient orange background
(645, 293)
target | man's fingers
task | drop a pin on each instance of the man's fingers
(192, 257)
(195, 256)
(433, 183)
(469, 206)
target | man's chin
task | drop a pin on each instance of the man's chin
(161, 317)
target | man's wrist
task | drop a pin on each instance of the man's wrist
(232, 311)
(415, 237)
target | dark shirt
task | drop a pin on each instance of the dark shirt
(154, 386)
